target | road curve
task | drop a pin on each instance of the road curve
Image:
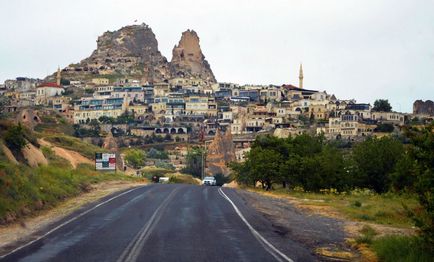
(164, 223)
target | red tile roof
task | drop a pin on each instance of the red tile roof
(49, 84)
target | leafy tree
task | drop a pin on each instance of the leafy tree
(106, 119)
(125, 118)
(135, 157)
(375, 160)
(386, 128)
(421, 150)
(165, 165)
(155, 153)
(382, 105)
(65, 82)
(265, 166)
(15, 138)
(403, 178)
(221, 179)
(194, 162)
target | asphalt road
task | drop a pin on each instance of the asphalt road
(164, 223)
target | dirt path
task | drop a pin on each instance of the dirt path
(73, 157)
(25, 229)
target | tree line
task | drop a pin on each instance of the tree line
(384, 164)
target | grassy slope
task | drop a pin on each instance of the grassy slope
(24, 189)
(386, 209)
(72, 143)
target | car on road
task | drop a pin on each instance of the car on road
(209, 181)
(163, 180)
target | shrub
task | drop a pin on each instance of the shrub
(135, 157)
(357, 203)
(401, 248)
(367, 235)
(15, 138)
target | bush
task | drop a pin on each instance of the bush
(183, 179)
(135, 157)
(357, 203)
(155, 153)
(15, 138)
(401, 248)
(221, 179)
(367, 235)
(386, 128)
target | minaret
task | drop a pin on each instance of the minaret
(58, 77)
(300, 77)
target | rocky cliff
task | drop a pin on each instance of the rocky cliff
(423, 108)
(188, 59)
(132, 52)
(221, 151)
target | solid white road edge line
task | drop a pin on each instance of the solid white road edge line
(254, 232)
(69, 221)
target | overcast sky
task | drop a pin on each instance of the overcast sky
(365, 49)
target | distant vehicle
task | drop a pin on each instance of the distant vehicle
(163, 180)
(209, 181)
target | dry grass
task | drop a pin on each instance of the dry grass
(386, 209)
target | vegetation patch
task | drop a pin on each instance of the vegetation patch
(74, 144)
(401, 248)
(24, 190)
(183, 179)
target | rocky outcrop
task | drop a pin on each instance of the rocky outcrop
(221, 151)
(33, 155)
(423, 108)
(132, 52)
(188, 59)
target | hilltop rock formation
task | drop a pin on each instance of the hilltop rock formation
(188, 59)
(221, 152)
(423, 108)
(132, 52)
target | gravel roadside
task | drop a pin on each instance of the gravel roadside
(325, 236)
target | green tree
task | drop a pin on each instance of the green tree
(421, 150)
(265, 166)
(135, 157)
(194, 162)
(15, 138)
(385, 127)
(106, 119)
(155, 153)
(382, 105)
(375, 160)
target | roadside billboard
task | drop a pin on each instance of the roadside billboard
(105, 161)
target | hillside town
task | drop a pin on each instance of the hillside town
(191, 110)
(130, 93)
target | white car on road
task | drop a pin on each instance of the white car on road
(209, 181)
